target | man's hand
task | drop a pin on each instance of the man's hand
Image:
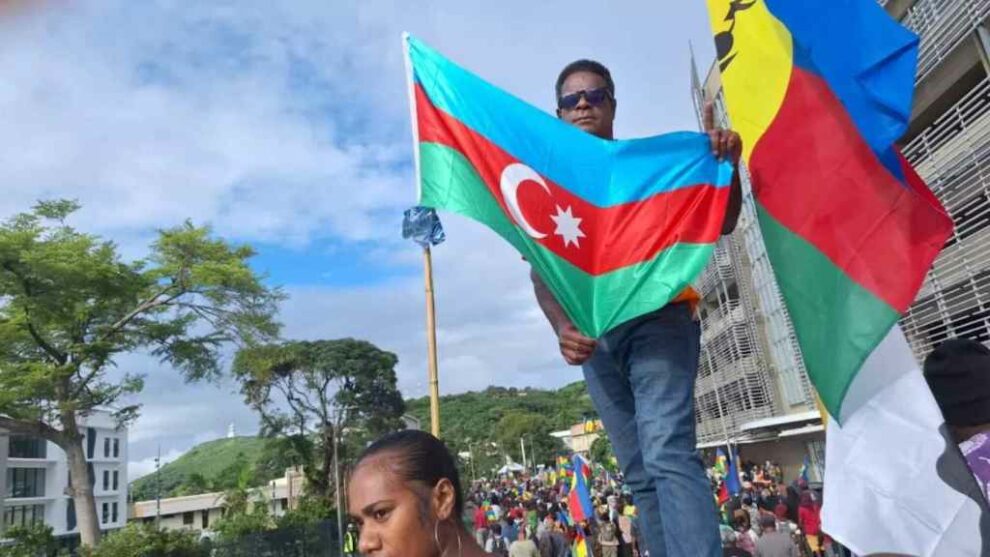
(726, 144)
(575, 347)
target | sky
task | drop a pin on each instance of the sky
(285, 125)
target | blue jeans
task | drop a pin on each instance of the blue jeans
(641, 379)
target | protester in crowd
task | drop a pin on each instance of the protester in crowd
(496, 544)
(754, 513)
(649, 362)
(745, 537)
(608, 536)
(523, 546)
(627, 526)
(809, 518)
(958, 372)
(480, 524)
(774, 543)
(405, 497)
(729, 546)
(783, 523)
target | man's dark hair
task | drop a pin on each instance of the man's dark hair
(419, 457)
(497, 529)
(768, 522)
(586, 66)
(958, 373)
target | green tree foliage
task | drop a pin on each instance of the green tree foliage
(142, 540)
(534, 430)
(71, 306)
(601, 453)
(29, 541)
(236, 525)
(311, 392)
(469, 421)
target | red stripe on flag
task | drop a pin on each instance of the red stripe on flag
(837, 195)
(614, 237)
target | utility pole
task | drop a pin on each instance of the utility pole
(158, 489)
(522, 445)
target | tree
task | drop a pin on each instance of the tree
(330, 387)
(29, 541)
(69, 306)
(146, 541)
(534, 429)
(601, 453)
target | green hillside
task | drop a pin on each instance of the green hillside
(208, 459)
(476, 416)
(473, 416)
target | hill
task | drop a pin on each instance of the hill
(473, 417)
(466, 419)
(208, 459)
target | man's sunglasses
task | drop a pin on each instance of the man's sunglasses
(594, 97)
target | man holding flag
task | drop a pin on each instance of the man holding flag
(648, 362)
(615, 230)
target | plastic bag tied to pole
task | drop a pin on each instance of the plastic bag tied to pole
(422, 225)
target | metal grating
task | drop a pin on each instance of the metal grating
(942, 26)
(732, 387)
(953, 156)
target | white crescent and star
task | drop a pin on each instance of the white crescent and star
(568, 226)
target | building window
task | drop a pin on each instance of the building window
(106, 447)
(70, 516)
(24, 515)
(206, 518)
(113, 516)
(116, 447)
(25, 482)
(106, 513)
(106, 480)
(116, 479)
(90, 442)
(22, 446)
(187, 518)
(285, 504)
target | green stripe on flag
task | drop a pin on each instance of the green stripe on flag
(838, 322)
(594, 303)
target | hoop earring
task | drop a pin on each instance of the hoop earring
(436, 539)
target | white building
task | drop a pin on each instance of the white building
(198, 513)
(35, 476)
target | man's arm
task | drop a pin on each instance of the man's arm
(726, 144)
(734, 206)
(575, 347)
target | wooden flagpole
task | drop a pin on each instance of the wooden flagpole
(431, 345)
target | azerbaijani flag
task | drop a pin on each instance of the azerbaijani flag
(579, 498)
(820, 93)
(616, 229)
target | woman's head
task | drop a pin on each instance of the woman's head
(403, 490)
(806, 499)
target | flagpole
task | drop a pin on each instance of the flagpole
(431, 344)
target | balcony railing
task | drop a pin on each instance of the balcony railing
(952, 156)
(942, 26)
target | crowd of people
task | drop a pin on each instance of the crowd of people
(766, 504)
(528, 516)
